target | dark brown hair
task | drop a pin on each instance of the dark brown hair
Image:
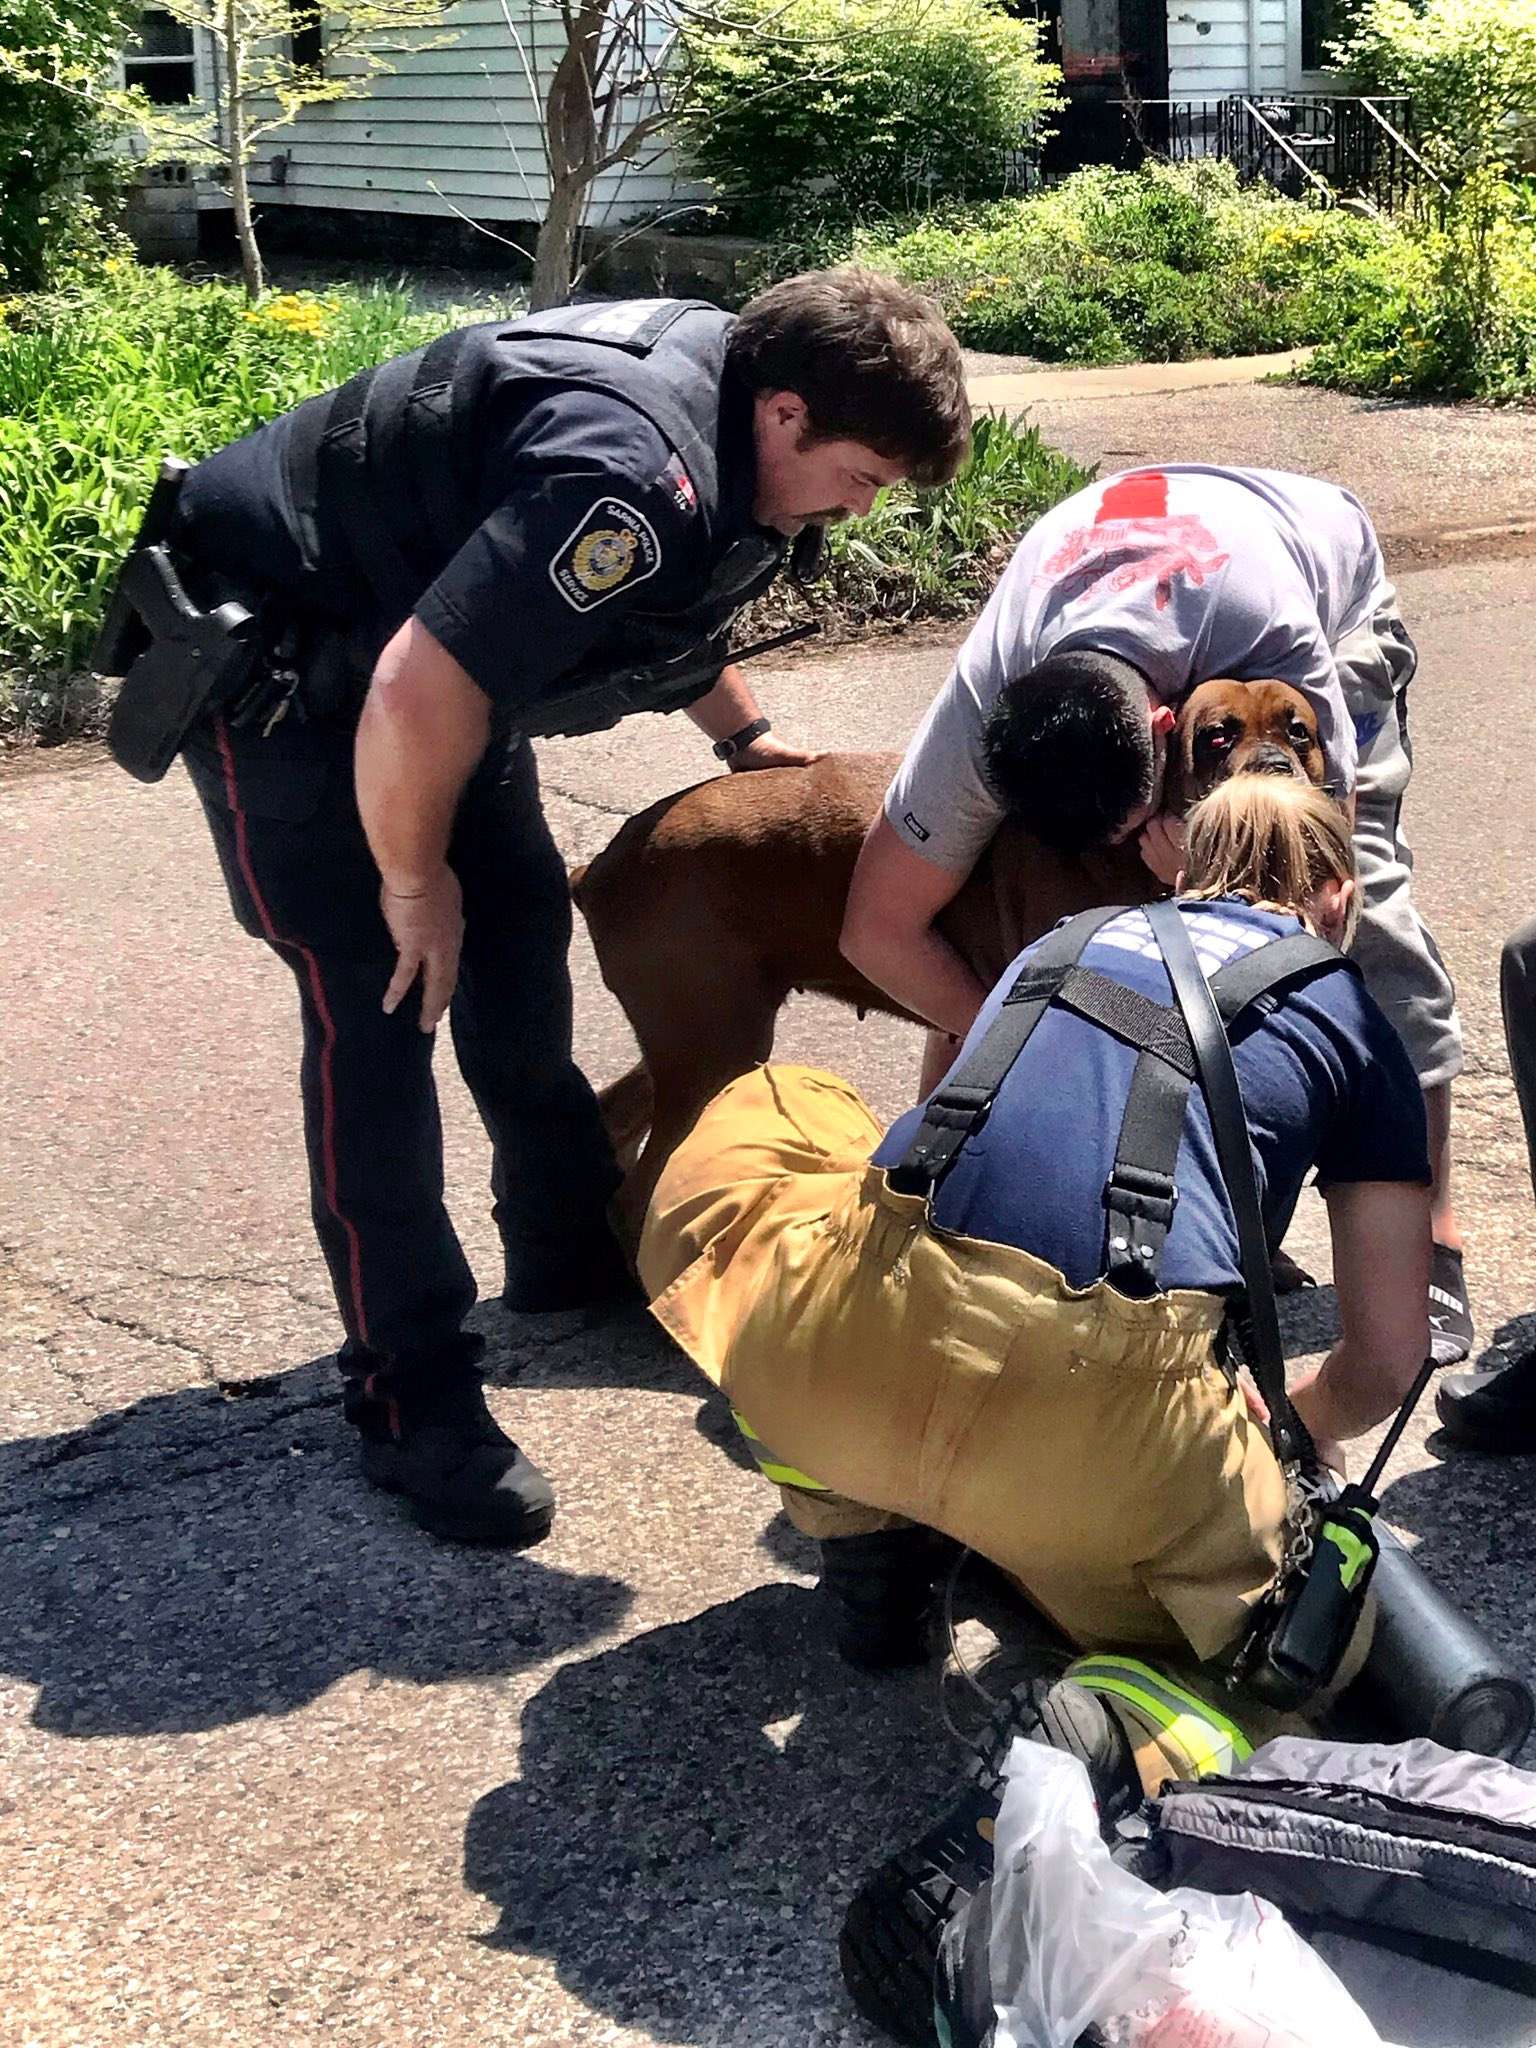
(873, 360)
(1068, 748)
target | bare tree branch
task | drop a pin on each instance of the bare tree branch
(479, 226)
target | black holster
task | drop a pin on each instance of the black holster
(178, 662)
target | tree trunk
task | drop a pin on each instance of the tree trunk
(239, 190)
(570, 133)
(554, 253)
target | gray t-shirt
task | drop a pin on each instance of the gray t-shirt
(1188, 571)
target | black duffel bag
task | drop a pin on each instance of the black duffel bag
(1411, 1869)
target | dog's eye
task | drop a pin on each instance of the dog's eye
(1300, 733)
(1217, 739)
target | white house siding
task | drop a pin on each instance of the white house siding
(1212, 44)
(448, 128)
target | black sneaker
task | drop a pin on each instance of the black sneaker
(879, 1593)
(1493, 1410)
(1450, 1312)
(439, 1446)
(895, 1924)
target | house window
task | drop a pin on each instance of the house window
(1322, 22)
(160, 60)
(306, 44)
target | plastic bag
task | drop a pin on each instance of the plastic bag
(1078, 1942)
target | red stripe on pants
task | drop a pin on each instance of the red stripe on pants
(1142, 495)
(327, 1027)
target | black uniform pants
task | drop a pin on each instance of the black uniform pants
(300, 876)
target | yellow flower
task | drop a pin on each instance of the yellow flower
(294, 313)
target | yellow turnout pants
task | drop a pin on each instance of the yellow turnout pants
(1090, 1445)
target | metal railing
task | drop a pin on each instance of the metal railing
(1313, 146)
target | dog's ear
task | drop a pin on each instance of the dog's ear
(1179, 764)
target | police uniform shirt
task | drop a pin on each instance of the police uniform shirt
(1187, 571)
(571, 513)
(1324, 1077)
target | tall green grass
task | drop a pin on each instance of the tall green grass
(936, 554)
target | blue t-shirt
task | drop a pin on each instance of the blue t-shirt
(1325, 1082)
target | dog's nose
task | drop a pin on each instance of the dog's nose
(1272, 760)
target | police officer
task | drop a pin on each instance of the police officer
(527, 528)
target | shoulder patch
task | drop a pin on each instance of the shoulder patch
(611, 545)
(678, 485)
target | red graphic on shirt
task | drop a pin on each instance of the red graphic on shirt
(1134, 539)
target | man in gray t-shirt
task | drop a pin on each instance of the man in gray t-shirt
(1145, 585)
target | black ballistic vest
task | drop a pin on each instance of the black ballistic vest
(413, 419)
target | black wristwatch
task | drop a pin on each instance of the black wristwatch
(727, 750)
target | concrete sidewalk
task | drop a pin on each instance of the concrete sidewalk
(1426, 473)
(1016, 390)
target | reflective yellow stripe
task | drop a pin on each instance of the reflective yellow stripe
(768, 1464)
(1356, 1555)
(1206, 1736)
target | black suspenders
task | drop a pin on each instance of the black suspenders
(959, 1106)
(1140, 1195)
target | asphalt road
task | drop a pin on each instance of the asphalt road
(276, 1762)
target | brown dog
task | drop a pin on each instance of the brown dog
(1239, 729)
(708, 908)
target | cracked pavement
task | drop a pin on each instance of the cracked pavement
(272, 1761)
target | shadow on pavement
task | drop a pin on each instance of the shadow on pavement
(625, 1349)
(696, 1807)
(193, 1560)
(1474, 1518)
(1309, 1320)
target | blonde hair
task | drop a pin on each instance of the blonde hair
(1273, 840)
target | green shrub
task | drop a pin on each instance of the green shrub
(849, 107)
(1160, 264)
(96, 384)
(938, 553)
(1156, 222)
(56, 169)
(1470, 67)
(1453, 318)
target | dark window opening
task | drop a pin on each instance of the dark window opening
(306, 38)
(1322, 23)
(160, 60)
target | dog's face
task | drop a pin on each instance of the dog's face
(1226, 728)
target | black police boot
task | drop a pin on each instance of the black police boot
(879, 1592)
(438, 1444)
(1493, 1410)
(895, 1924)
